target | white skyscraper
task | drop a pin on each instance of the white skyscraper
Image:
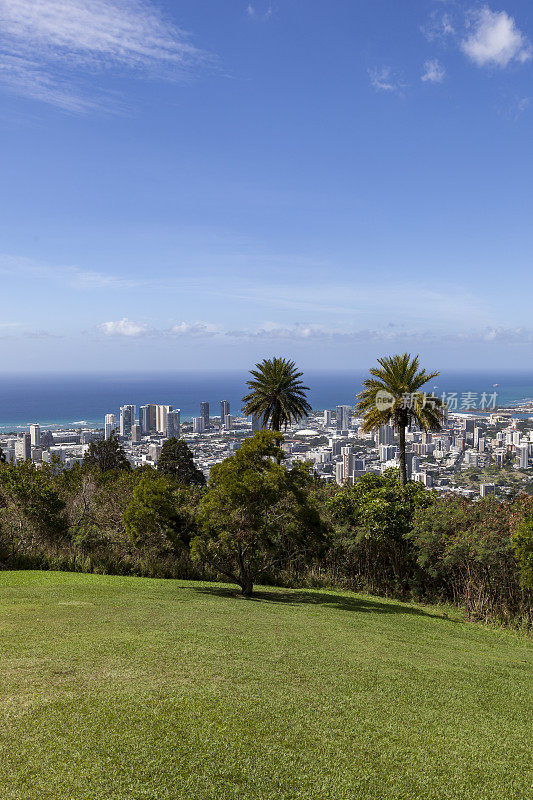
(127, 419)
(161, 418)
(339, 472)
(136, 433)
(110, 425)
(228, 422)
(198, 425)
(327, 419)
(35, 435)
(173, 423)
(23, 448)
(523, 456)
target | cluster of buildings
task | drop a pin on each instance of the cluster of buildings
(342, 451)
(333, 440)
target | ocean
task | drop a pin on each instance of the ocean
(55, 399)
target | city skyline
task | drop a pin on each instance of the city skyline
(215, 184)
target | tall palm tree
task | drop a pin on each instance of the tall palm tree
(393, 395)
(277, 395)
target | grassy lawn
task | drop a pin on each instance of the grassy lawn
(127, 688)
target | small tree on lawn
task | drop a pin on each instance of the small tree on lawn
(256, 513)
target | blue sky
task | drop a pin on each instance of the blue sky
(202, 183)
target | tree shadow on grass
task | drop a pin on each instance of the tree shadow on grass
(341, 601)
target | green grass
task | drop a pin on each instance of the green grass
(128, 688)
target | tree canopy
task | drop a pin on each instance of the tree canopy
(393, 395)
(256, 513)
(277, 395)
(106, 455)
(176, 461)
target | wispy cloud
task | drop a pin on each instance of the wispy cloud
(123, 327)
(494, 39)
(311, 332)
(71, 276)
(255, 12)
(49, 47)
(438, 27)
(383, 79)
(434, 72)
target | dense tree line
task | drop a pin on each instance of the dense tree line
(259, 521)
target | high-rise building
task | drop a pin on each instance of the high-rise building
(228, 422)
(198, 425)
(344, 416)
(523, 456)
(204, 413)
(173, 424)
(23, 448)
(147, 419)
(127, 419)
(35, 435)
(387, 452)
(154, 451)
(161, 418)
(224, 410)
(110, 425)
(136, 433)
(385, 435)
(339, 472)
(327, 419)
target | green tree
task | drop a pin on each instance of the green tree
(393, 395)
(522, 540)
(31, 511)
(277, 395)
(374, 519)
(106, 455)
(155, 515)
(176, 461)
(256, 513)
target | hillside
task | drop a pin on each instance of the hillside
(130, 688)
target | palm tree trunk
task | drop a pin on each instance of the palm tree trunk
(401, 455)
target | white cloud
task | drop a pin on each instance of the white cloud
(48, 47)
(434, 72)
(439, 26)
(74, 277)
(254, 13)
(310, 332)
(495, 40)
(384, 80)
(194, 329)
(123, 327)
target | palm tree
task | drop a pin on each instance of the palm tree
(277, 395)
(393, 395)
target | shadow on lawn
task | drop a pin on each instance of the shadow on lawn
(343, 602)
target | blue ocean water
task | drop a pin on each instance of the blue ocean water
(69, 399)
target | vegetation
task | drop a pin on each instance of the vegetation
(176, 460)
(106, 455)
(137, 689)
(277, 395)
(523, 546)
(393, 395)
(257, 514)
